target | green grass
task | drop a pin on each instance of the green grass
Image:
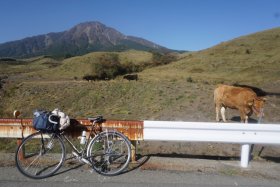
(8, 145)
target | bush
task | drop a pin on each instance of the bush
(108, 67)
(189, 79)
(248, 51)
(161, 59)
(130, 67)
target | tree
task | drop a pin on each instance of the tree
(161, 59)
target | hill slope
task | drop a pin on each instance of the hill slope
(249, 59)
(181, 90)
(81, 39)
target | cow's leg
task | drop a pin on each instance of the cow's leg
(223, 113)
(246, 119)
(243, 117)
(217, 112)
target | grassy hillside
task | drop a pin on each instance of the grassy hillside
(250, 59)
(181, 90)
(76, 67)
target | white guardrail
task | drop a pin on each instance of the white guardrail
(244, 134)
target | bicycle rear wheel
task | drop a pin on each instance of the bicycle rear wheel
(40, 155)
(109, 153)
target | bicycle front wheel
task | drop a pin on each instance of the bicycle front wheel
(109, 153)
(40, 155)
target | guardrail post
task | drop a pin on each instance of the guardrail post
(21, 153)
(19, 140)
(133, 150)
(245, 155)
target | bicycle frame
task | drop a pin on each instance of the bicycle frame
(81, 152)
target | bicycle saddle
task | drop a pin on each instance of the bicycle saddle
(97, 119)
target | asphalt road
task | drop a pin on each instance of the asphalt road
(83, 176)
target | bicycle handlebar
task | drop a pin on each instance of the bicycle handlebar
(52, 120)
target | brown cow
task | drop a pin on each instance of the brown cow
(243, 99)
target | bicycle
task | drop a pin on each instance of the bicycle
(44, 153)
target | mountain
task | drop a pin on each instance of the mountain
(81, 39)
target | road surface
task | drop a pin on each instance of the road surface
(81, 175)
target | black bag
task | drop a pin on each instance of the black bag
(41, 122)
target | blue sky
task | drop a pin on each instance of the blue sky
(176, 24)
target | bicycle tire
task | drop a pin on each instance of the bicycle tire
(109, 153)
(40, 155)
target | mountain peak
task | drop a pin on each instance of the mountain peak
(94, 25)
(95, 32)
(90, 23)
(81, 39)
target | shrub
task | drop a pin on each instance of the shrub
(107, 67)
(130, 67)
(161, 59)
(248, 51)
(189, 79)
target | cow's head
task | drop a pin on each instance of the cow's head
(257, 105)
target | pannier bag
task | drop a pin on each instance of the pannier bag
(41, 121)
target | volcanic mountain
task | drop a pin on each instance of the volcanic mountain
(81, 39)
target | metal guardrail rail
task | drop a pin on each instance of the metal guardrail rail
(212, 132)
(19, 128)
(243, 134)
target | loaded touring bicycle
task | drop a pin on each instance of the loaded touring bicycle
(41, 154)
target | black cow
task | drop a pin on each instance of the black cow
(131, 77)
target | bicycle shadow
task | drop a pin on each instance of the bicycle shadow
(68, 166)
(164, 161)
(140, 161)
